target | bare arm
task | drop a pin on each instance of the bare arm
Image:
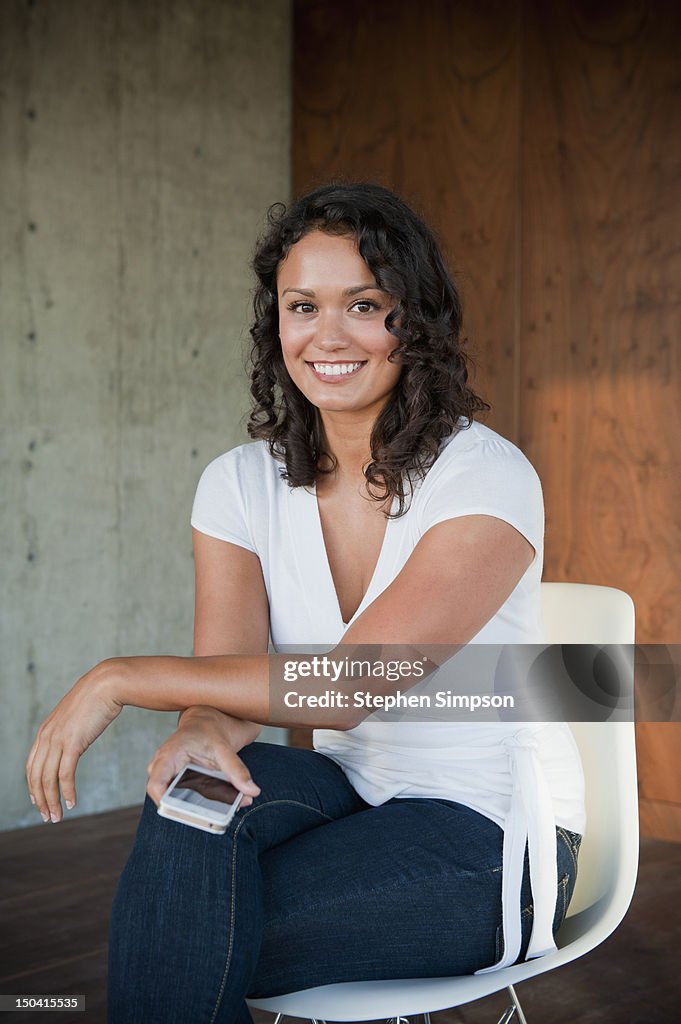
(231, 613)
(231, 616)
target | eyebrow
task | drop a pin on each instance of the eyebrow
(346, 291)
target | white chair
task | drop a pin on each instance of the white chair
(608, 859)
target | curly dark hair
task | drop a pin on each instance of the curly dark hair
(431, 397)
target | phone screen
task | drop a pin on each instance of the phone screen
(195, 788)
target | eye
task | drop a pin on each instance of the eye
(367, 303)
(301, 307)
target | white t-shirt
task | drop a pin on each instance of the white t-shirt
(242, 498)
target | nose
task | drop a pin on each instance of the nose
(331, 334)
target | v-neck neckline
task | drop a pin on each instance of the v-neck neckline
(331, 583)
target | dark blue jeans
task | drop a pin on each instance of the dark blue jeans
(310, 885)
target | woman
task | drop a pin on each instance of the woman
(373, 509)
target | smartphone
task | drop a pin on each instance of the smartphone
(201, 797)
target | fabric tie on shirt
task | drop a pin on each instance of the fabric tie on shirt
(530, 820)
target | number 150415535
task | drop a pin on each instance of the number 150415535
(42, 1002)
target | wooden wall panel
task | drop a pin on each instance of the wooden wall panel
(428, 106)
(600, 305)
(660, 819)
(600, 374)
(541, 140)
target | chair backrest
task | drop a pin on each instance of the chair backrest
(580, 613)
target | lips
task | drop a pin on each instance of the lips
(338, 371)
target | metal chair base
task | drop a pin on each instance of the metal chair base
(506, 1017)
(391, 1020)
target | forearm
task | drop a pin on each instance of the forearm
(238, 685)
(259, 689)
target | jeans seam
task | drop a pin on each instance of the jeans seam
(230, 946)
(568, 843)
(563, 885)
(575, 840)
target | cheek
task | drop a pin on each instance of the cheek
(292, 344)
(293, 340)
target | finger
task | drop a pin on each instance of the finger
(50, 783)
(27, 769)
(35, 773)
(31, 756)
(236, 771)
(162, 770)
(67, 778)
(38, 746)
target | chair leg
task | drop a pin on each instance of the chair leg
(405, 1020)
(282, 1016)
(516, 1003)
(515, 1008)
(506, 1015)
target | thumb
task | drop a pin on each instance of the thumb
(237, 772)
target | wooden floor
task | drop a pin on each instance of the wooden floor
(57, 884)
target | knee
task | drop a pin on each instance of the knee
(268, 759)
(274, 768)
(277, 768)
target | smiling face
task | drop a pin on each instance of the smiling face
(332, 327)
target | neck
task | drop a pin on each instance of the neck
(347, 438)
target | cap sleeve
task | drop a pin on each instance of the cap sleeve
(490, 478)
(219, 508)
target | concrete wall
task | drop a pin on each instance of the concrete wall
(140, 144)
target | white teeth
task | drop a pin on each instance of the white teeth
(335, 369)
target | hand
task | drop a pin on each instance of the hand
(76, 722)
(207, 737)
